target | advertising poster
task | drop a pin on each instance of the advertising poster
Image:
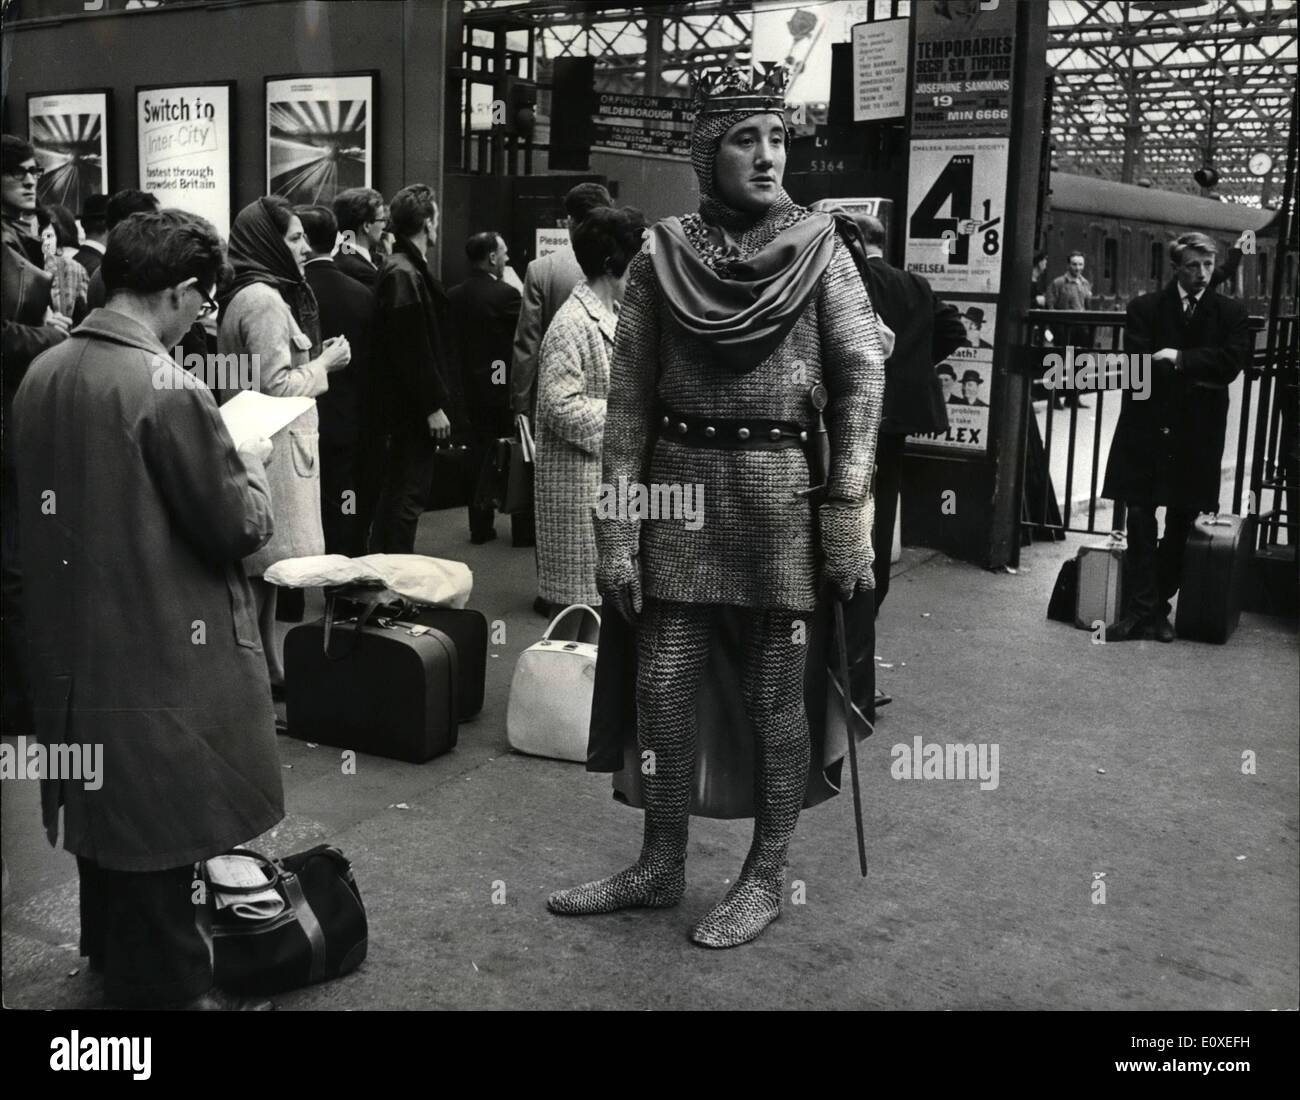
(880, 70)
(956, 194)
(800, 37)
(320, 136)
(962, 70)
(69, 132)
(183, 138)
(966, 377)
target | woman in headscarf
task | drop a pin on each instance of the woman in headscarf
(268, 310)
(571, 387)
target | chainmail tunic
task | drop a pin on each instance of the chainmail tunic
(755, 546)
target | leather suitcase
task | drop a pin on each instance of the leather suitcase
(466, 627)
(381, 689)
(1215, 564)
(1099, 596)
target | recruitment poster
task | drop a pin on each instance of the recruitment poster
(962, 69)
(966, 378)
(183, 137)
(956, 196)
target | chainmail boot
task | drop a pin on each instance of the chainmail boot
(773, 686)
(672, 647)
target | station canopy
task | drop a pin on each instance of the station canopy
(1144, 91)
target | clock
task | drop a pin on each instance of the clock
(1259, 164)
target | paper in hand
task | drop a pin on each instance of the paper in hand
(250, 415)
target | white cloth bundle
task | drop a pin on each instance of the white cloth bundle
(416, 577)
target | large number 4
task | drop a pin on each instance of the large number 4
(955, 182)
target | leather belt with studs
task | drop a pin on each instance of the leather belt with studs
(729, 435)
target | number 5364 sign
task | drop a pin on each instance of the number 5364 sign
(956, 222)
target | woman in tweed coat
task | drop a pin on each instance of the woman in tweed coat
(572, 384)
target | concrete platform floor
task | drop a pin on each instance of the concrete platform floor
(1122, 761)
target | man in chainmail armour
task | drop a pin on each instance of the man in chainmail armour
(730, 318)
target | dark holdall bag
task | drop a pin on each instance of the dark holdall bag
(383, 686)
(320, 934)
(1060, 608)
(1215, 564)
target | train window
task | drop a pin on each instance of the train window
(1157, 260)
(1109, 262)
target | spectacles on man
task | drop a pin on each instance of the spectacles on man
(209, 306)
(24, 170)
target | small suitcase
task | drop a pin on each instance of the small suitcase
(1100, 584)
(1215, 564)
(388, 689)
(466, 627)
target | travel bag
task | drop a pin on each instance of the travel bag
(1215, 565)
(549, 713)
(372, 684)
(315, 928)
(1099, 596)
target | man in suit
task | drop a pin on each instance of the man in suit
(121, 204)
(925, 331)
(1168, 449)
(485, 311)
(973, 322)
(94, 222)
(970, 389)
(947, 377)
(346, 309)
(420, 383)
(363, 220)
(31, 326)
(548, 282)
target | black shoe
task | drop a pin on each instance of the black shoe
(1128, 629)
(487, 536)
(882, 700)
(1160, 628)
(542, 608)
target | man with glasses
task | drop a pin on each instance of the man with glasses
(30, 326)
(363, 220)
(136, 510)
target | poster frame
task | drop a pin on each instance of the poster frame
(106, 162)
(232, 134)
(372, 163)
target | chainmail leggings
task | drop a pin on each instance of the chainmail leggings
(672, 647)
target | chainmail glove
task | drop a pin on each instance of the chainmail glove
(618, 580)
(846, 546)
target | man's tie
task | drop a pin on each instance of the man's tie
(1189, 307)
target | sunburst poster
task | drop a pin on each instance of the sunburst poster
(69, 131)
(319, 135)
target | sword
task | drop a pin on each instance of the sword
(821, 461)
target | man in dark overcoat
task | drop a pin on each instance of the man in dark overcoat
(1168, 448)
(149, 684)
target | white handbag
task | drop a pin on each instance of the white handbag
(549, 713)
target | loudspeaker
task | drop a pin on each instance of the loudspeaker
(573, 102)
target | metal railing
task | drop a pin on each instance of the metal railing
(1263, 455)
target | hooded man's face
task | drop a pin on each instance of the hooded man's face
(751, 163)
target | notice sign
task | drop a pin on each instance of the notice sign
(956, 193)
(551, 240)
(880, 70)
(184, 145)
(962, 72)
(643, 124)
